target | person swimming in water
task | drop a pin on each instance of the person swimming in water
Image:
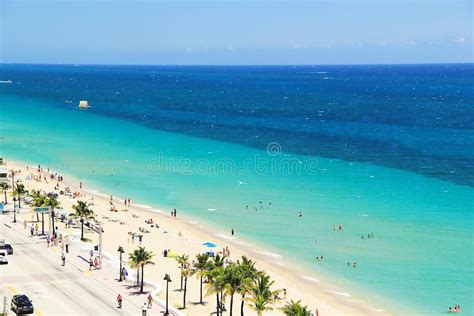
(300, 214)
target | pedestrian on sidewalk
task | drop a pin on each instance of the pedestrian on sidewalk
(91, 264)
(31, 230)
(62, 247)
(144, 309)
(48, 239)
(36, 229)
(119, 301)
(63, 259)
(150, 301)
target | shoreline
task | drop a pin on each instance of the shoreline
(302, 284)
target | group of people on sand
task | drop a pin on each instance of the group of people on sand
(226, 251)
(455, 309)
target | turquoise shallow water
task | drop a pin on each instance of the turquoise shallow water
(422, 253)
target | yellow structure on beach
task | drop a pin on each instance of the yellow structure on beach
(83, 104)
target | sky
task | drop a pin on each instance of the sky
(236, 32)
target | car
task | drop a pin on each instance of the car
(8, 248)
(21, 304)
(3, 257)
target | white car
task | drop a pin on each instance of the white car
(3, 257)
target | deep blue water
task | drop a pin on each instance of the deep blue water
(413, 117)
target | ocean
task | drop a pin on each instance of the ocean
(384, 149)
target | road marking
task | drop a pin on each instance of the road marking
(12, 289)
(52, 282)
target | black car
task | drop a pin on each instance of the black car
(21, 304)
(8, 248)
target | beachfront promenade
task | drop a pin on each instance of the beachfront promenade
(35, 270)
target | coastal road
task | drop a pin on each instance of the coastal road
(36, 271)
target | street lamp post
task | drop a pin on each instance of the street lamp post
(168, 280)
(121, 251)
(52, 219)
(14, 209)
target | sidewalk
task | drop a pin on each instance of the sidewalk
(79, 254)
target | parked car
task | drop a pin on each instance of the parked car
(8, 248)
(3, 257)
(21, 304)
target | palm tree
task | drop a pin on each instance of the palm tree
(216, 285)
(51, 201)
(200, 267)
(183, 261)
(38, 200)
(136, 267)
(4, 186)
(83, 212)
(185, 273)
(18, 191)
(296, 309)
(140, 258)
(261, 295)
(248, 274)
(233, 280)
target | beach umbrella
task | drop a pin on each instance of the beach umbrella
(172, 254)
(209, 244)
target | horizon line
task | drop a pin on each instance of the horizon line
(237, 65)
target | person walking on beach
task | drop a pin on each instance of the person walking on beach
(232, 232)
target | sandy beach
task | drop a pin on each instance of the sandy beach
(185, 235)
